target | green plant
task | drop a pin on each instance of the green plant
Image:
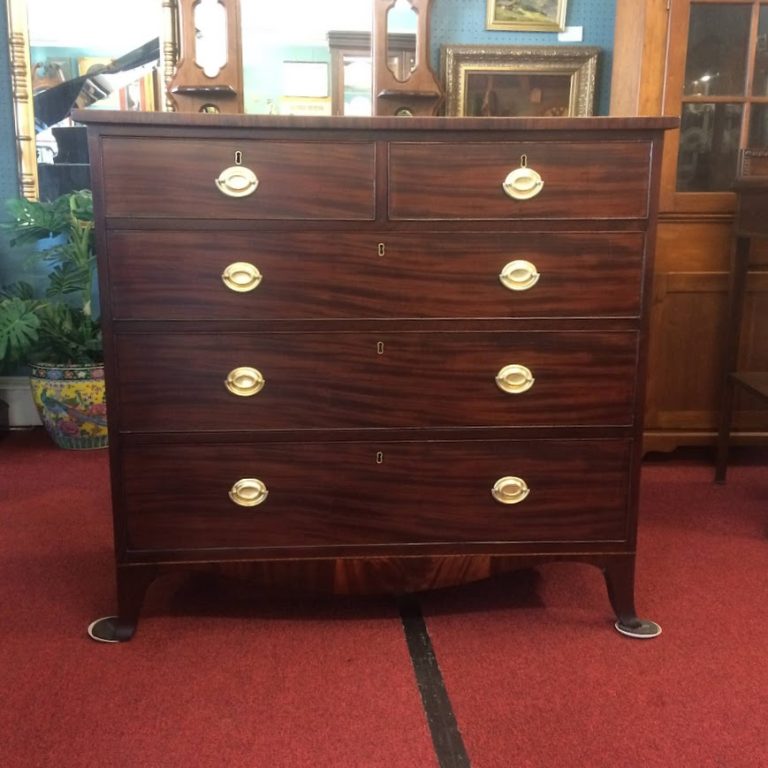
(58, 326)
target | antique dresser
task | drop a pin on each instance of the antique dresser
(373, 337)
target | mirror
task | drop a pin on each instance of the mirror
(300, 58)
(210, 37)
(82, 53)
(401, 17)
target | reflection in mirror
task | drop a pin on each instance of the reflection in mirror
(82, 53)
(402, 17)
(333, 33)
(210, 36)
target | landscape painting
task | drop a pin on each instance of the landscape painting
(530, 15)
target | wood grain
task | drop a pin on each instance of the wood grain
(337, 494)
(176, 275)
(444, 180)
(297, 180)
(335, 380)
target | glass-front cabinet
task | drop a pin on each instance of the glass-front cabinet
(717, 82)
(706, 62)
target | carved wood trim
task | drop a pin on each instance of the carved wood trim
(21, 90)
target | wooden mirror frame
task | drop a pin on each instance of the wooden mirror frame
(21, 83)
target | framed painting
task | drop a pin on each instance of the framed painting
(511, 81)
(526, 15)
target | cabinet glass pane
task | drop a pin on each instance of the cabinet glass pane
(758, 127)
(760, 85)
(716, 63)
(709, 146)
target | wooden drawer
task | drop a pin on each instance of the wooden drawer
(387, 379)
(178, 275)
(303, 180)
(595, 180)
(378, 493)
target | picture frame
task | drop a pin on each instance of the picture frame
(517, 81)
(532, 16)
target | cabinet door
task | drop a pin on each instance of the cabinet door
(705, 61)
(716, 82)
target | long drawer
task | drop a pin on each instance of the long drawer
(301, 180)
(594, 180)
(306, 495)
(250, 275)
(203, 381)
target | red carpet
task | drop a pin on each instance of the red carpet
(274, 684)
(545, 681)
(535, 673)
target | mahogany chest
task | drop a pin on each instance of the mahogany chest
(355, 337)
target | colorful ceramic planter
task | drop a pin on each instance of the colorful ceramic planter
(71, 402)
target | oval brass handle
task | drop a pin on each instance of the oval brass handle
(514, 379)
(510, 490)
(237, 181)
(244, 381)
(248, 492)
(522, 183)
(241, 277)
(519, 275)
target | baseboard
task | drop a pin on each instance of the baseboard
(21, 408)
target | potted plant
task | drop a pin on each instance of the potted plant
(54, 331)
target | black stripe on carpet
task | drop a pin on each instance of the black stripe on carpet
(449, 746)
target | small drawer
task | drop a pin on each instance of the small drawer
(443, 181)
(331, 380)
(177, 275)
(299, 180)
(307, 496)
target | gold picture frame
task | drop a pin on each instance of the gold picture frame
(512, 81)
(532, 16)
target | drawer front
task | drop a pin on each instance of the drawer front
(160, 178)
(351, 380)
(259, 275)
(336, 494)
(606, 180)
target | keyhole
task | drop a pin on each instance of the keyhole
(380, 457)
(382, 249)
(379, 347)
(523, 161)
(238, 157)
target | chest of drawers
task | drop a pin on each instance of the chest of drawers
(346, 338)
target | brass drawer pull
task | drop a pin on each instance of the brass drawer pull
(523, 183)
(244, 381)
(519, 275)
(241, 277)
(510, 490)
(514, 379)
(248, 492)
(237, 181)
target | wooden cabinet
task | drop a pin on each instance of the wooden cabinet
(704, 62)
(336, 339)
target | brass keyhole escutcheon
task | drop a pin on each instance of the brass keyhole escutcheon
(237, 180)
(523, 183)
